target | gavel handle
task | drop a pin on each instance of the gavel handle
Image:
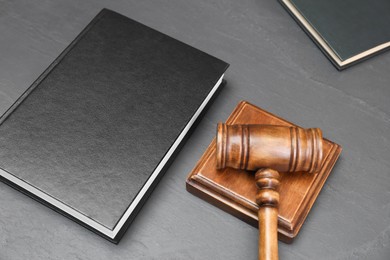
(267, 180)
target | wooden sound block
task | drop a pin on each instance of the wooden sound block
(235, 190)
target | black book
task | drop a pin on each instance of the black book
(347, 31)
(94, 133)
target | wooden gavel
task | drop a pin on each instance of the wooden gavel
(268, 149)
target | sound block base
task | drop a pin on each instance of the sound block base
(234, 191)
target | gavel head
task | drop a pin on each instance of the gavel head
(285, 149)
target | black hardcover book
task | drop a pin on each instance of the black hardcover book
(347, 31)
(94, 133)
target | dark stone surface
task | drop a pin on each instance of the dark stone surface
(273, 65)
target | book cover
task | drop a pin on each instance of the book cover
(346, 31)
(94, 133)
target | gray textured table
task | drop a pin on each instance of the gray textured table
(273, 65)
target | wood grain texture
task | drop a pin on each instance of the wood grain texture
(268, 183)
(283, 148)
(288, 149)
(235, 192)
